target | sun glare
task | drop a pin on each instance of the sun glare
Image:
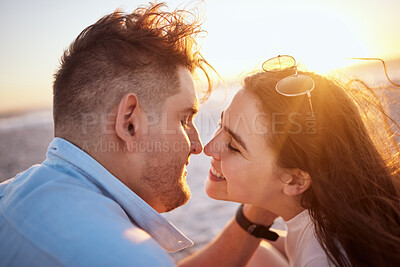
(329, 45)
(319, 37)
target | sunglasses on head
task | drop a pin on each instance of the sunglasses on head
(293, 85)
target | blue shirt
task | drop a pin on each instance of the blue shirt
(71, 211)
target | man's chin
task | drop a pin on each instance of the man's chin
(179, 199)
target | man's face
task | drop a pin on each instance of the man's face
(174, 139)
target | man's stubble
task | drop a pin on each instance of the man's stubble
(165, 174)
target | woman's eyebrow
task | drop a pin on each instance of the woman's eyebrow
(235, 136)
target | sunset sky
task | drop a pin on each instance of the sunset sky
(241, 34)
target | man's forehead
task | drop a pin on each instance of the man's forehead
(191, 106)
(186, 98)
(187, 89)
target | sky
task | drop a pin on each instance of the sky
(240, 36)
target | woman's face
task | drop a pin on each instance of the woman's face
(243, 166)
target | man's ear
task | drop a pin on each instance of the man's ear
(127, 119)
(299, 181)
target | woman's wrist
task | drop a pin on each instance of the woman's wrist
(258, 230)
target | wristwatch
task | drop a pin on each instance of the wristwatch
(257, 230)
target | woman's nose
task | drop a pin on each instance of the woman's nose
(212, 149)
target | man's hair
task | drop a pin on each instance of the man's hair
(121, 53)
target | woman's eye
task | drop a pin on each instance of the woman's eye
(230, 147)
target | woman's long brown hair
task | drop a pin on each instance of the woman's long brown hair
(352, 156)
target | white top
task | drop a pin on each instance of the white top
(301, 245)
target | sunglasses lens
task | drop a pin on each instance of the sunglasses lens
(295, 85)
(279, 63)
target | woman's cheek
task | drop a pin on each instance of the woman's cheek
(238, 186)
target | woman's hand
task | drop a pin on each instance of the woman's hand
(258, 215)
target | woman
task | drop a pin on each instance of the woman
(306, 156)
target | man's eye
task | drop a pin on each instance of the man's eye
(230, 147)
(185, 123)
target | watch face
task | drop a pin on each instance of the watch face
(251, 229)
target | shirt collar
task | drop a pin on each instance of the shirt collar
(164, 232)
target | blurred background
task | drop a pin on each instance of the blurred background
(320, 34)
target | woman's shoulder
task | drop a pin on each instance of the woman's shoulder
(319, 261)
(311, 251)
(302, 243)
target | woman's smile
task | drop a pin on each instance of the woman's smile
(215, 176)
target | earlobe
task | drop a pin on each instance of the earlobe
(126, 124)
(299, 182)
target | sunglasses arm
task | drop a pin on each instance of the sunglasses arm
(309, 100)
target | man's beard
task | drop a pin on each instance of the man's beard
(164, 175)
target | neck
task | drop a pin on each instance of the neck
(287, 208)
(127, 168)
(290, 214)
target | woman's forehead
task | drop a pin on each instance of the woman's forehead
(244, 107)
(244, 117)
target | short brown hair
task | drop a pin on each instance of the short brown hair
(138, 52)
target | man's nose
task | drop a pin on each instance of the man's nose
(196, 147)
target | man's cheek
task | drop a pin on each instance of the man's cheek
(180, 146)
(184, 143)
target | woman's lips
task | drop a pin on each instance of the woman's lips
(214, 178)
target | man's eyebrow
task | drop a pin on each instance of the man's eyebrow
(192, 110)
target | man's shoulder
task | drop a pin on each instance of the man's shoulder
(133, 247)
(47, 198)
(113, 246)
(69, 219)
(97, 247)
(31, 183)
(45, 189)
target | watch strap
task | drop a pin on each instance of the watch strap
(257, 230)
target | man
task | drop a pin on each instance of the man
(124, 103)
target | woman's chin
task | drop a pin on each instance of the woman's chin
(215, 190)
